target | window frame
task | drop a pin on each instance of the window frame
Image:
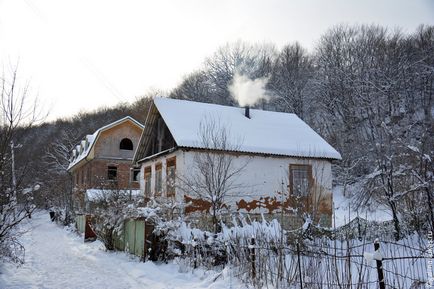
(112, 168)
(129, 143)
(135, 175)
(147, 176)
(308, 168)
(158, 179)
(170, 183)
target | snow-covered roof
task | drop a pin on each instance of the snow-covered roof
(83, 149)
(265, 132)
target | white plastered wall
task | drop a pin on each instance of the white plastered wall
(262, 176)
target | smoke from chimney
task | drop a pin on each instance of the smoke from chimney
(248, 92)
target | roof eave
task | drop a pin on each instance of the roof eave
(263, 153)
(157, 155)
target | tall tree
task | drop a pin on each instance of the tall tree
(18, 112)
(292, 71)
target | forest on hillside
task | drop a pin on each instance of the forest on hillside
(366, 89)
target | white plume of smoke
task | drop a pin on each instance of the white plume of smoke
(246, 91)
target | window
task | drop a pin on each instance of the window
(112, 173)
(147, 181)
(135, 174)
(170, 176)
(299, 180)
(158, 179)
(126, 144)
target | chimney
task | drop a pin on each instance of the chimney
(247, 111)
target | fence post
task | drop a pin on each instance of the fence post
(195, 255)
(299, 265)
(253, 257)
(379, 266)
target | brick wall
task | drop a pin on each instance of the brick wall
(94, 174)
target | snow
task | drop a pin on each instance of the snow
(58, 258)
(83, 150)
(265, 132)
(344, 210)
(306, 224)
(98, 194)
(80, 154)
(377, 255)
(369, 257)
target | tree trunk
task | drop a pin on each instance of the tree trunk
(395, 220)
(430, 207)
(214, 218)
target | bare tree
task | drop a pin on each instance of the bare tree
(17, 113)
(402, 181)
(59, 185)
(254, 61)
(292, 71)
(195, 86)
(215, 168)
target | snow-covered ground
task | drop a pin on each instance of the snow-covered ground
(58, 258)
(344, 210)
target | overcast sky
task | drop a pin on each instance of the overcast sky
(80, 55)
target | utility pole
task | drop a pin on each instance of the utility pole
(14, 180)
(129, 182)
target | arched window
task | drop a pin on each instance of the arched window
(126, 144)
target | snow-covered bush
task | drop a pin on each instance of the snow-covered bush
(109, 211)
(234, 244)
(10, 246)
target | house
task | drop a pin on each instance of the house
(102, 161)
(285, 165)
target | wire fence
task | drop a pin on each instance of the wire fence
(263, 258)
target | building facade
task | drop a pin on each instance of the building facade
(281, 164)
(103, 161)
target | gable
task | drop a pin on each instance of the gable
(86, 148)
(108, 142)
(156, 136)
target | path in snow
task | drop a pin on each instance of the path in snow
(57, 258)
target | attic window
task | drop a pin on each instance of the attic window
(126, 144)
